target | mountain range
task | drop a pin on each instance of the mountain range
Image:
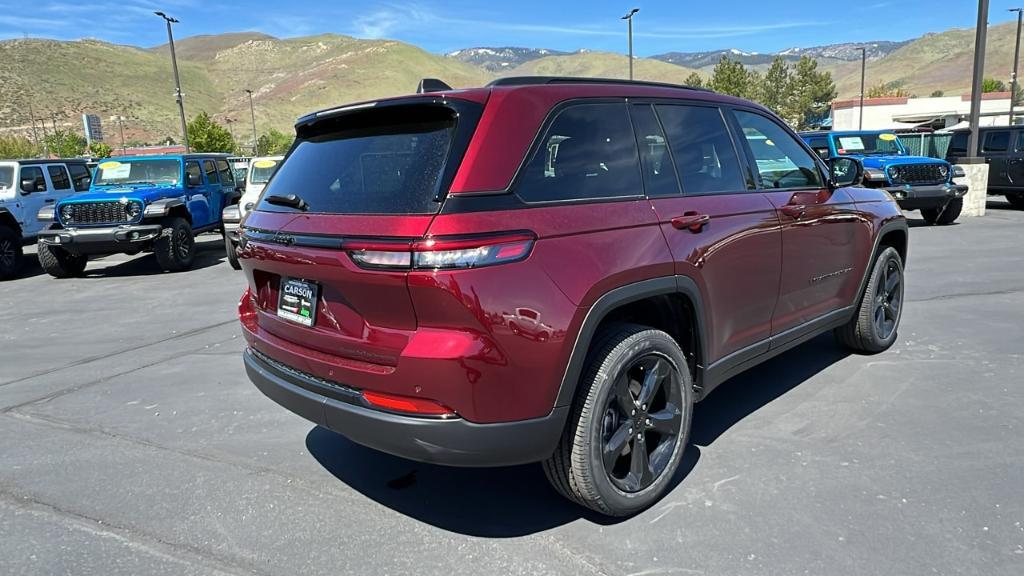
(60, 80)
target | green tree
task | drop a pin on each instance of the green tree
(14, 147)
(65, 144)
(205, 135)
(777, 86)
(890, 90)
(812, 94)
(938, 94)
(992, 85)
(731, 77)
(694, 80)
(275, 143)
(100, 150)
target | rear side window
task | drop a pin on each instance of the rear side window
(957, 146)
(225, 172)
(59, 177)
(820, 146)
(388, 161)
(781, 161)
(80, 177)
(702, 148)
(1020, 141)
(655, 160)
(35, 174)
(211, 172)
(589, 152)
(996, 141)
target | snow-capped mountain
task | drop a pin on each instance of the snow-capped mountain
(504, 58)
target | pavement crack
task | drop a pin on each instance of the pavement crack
(968, 295)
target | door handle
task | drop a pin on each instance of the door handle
(691, 221)
(50, 200)
(796, 211)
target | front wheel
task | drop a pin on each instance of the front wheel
(176, 245)
(60, 263)
(11, 254)
(873, 327)
(629, 425)
(231, 249)
(945, 215)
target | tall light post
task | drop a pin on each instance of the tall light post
(629, 19)
(255, 139)
(863, 75)
(1014, 83)
(177, 79)
(120, 124)
(980, 41)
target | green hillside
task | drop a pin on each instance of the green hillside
(602, 65)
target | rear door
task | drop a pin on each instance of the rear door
(371, 181)
(1015, 163)
(824, 241)
(722, 232)
(198, 194)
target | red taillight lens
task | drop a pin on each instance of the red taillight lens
(443, 253)
(247, 308)
(419, 406)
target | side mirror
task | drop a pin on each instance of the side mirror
(194, 180)
(231, 214)
(29, 185)
(845, 172)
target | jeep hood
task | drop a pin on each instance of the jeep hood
(146, 194)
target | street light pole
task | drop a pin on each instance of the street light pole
(980, 41)
(255, 139)
(629, 19)
(120, 125)
(1016, 61)
(177, 79)
(863, 75)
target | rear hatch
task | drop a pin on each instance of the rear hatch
(367, 176)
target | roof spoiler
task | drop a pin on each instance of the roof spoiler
(431, 85)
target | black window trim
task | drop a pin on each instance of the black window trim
(643, 177)
(538, 141)
(752, 160)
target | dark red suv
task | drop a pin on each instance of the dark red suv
(553, 270)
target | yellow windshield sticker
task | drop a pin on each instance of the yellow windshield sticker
(887, 137)
(109, 165)
(264, 164)
(769, 142)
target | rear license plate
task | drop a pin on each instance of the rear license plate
(296, 301)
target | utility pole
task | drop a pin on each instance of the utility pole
(1014, 82)
(980, 41)
(229, 121)
(32, 119)
(177, 79)
(255, 139)
(629, 19)
(863, 75)
(120, 125)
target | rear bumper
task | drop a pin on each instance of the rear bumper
(448, 441)
(918, 197)
(101, 240)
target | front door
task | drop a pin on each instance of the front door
(722, 234)
(995, 147)
(198, 192)
(823, 238)
(34, 191)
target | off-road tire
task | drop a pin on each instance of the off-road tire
(175, 247)
(60, 263)
(11, 253)
(232, 254)
(861, 333)
(945, 215)
(1016, 201)
(576, 469)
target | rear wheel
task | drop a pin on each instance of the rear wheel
(1016, 200)
(176, 245)
(629, 425)
(873, 328)
(945, 215)
(11, 254)
(60, 263)
(230, 249)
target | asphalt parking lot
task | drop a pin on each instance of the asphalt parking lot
(131, 442)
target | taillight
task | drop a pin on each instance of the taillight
(408, 404)
(442, 253)
(247, 309)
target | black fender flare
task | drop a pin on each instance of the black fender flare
(612, 300)
(163, 207)
(7, 218)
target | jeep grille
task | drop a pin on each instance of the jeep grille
(96, 213)
(919, 173)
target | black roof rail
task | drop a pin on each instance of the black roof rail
(432, 85)
(539, 80)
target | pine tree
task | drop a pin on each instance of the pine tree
(777, 86)
(813, 93)
(694, 80)
(731, 77)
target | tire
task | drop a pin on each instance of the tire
(609, 387)
(945, 215)
(1016, 200)
(230, 250)
(175, 248)
(60, 263)
(11, 254)
(874, 327)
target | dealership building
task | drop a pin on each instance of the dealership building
(942, 113)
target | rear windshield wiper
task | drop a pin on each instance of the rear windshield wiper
(291, 200)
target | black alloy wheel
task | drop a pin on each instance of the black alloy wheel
(888, 300)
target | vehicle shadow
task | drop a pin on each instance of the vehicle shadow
(517, 501)
(998, 205)
(208, 252)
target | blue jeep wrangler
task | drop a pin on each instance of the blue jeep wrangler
(135, 204)
(916, 182)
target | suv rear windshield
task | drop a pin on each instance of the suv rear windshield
(382, 161)
(163, 171)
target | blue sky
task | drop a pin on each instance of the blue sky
(441, 26)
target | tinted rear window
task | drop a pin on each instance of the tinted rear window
(997, 141)
(381, 162)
